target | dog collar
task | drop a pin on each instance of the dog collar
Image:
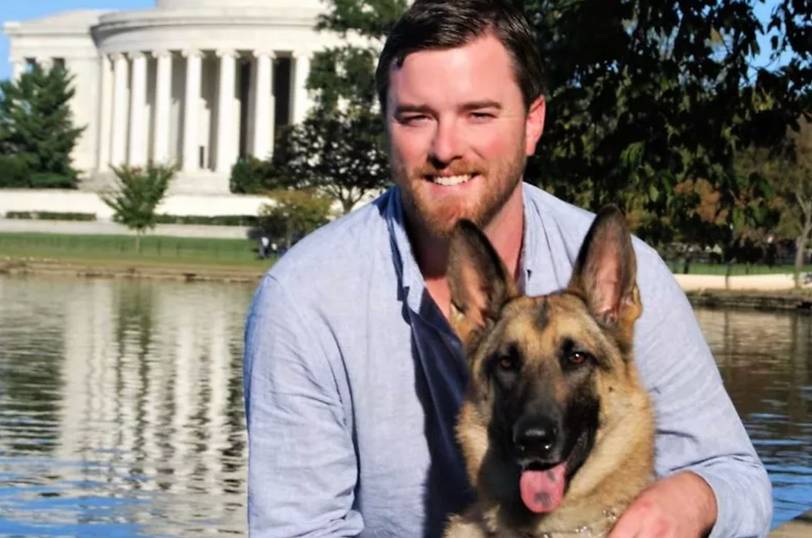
(597, 529)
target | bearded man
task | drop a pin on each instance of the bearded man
(353, 376)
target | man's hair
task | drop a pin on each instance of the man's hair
(448, 24)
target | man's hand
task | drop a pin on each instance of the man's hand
(679, 506)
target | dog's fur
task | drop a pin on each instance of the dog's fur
(559, 364)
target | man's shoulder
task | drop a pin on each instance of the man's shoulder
(340, 248)
(572, 223)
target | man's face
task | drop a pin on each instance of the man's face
(459, 133)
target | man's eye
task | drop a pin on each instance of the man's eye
(481, 116)
(414, 119)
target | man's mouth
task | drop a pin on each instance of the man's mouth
(449, 181)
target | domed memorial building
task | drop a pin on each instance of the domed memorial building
(199, 83)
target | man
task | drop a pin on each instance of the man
(353, 376)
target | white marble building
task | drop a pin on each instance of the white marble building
(195, 82)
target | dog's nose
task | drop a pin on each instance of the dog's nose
(536, 438)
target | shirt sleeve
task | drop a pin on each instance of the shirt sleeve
(698, 429)
(302, 469)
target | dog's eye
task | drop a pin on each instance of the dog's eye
(579, 357)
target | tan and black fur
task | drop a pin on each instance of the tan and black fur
(559, 364)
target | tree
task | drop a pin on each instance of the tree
(790, 175)
(341, 154)
(36, 125)
(645, 95)
(642, 95)
(294, 214)
(137, 197)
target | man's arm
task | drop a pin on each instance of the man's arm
(302, 466)
(701, 446)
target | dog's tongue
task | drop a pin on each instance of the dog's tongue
(542, 491)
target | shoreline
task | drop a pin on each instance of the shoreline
(130, 271)
(761, 292)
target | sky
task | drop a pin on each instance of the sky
(21, 10)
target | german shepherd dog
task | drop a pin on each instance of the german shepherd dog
(555, 428)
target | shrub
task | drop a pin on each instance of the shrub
(218, 220)
(52, 181)
(295, 214)
(50, 215)
(253, 176)
(14, 172)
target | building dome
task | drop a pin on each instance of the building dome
(195, 4)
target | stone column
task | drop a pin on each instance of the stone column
(17, 69)
(226, 145)
(163, 97)
(106, 98)
(138, 101)
(191, 103)
(300, 104)
(118, 142)
(264, 110)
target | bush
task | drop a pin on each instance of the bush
(294, 214)
(253, 176)
(49, 215)
(219, 220)
(53, 181)
(14, 172)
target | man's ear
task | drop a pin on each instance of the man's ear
(605, 274)
(534, 124)
(479, 282)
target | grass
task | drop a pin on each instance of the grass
(119, 250)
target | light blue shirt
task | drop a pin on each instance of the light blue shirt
(353, 379)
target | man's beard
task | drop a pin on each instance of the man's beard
(439, 219)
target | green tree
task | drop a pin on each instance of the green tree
(790, 175)
(36, 125)
(341, 154)
(136, 198)
(294, 214)
(643, 95)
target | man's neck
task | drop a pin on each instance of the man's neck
(505, 232)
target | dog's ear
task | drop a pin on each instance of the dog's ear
(605, 274)
(479, 282)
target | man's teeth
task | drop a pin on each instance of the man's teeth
(452, 180)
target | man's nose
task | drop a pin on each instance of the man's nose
(446, 145)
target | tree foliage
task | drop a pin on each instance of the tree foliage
(138, 193)
(790, 175)
(341, 154)
(36, 125)
(294, 214)
(649, 102)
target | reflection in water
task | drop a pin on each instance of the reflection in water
(766, 363)
(121, 408)
(121, 405)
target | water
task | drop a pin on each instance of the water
(121, 405)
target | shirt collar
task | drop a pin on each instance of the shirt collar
(411, 282)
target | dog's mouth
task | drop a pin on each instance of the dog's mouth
(542, 485)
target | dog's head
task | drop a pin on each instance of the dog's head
(542, 367)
